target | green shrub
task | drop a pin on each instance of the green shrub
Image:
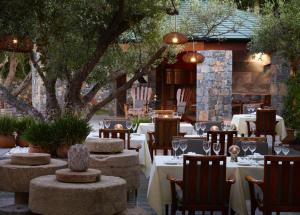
(7, 125)
(70, 130)
(24, 123)
(39, 134)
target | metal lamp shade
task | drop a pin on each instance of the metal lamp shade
(15, 44)
(175, 38)
(193, 57)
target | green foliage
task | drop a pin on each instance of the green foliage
(70, 130)
(279, 30)
(40, 134)
(291, 111)
(7, 125)
(23, 124)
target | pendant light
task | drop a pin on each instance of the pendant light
(193, 56)
(175, 37)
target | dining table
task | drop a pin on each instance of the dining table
(184, 127)
(240, 121)
(159, 192)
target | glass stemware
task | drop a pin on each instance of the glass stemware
(203, 127)
(217, 148)
(285, 150)
(134, 127)
(175, 146)
(277, 149)
(206, 147)
(197, 127)
(101, 124)
(252, 148)
(106, 123)
(129, 124)
(245, 148)
(183, 146)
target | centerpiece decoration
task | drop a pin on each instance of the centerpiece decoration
(234, 151)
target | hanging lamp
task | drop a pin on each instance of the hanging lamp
(175, 37)
(193, 56)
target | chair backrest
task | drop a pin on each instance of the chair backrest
(261, 144)
(193, 144)
(183, 98)
(165, 130)
(225, 139)
(204, 182)
(265, 122)
(140, 95)
(281, 183)
(123, 134)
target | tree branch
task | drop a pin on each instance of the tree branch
(18, 103)
(139, 73)
(91, 94)
(25, 83)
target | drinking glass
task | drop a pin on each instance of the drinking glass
(252, 147)
(197, 127)
(206, 147)
(203, 127)
(217, 148)
(285, 150)
(128, 124)
(134, 127)
(106, 123)
(183, 146)
(223, 126)
(245, 148)
(101, 124)
(277, 149)
(175, 146)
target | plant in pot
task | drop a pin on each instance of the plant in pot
(7, 129)
(21, 125)
(69, 130)
(40, 136)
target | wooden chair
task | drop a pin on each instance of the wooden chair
(261, 144)
(280, 186)
(123, 134)
(140, 100)
(164, 130)
(204, 186)
(265, 124)
(222, 136)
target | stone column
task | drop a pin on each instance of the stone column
(214, 85)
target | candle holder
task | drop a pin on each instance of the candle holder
(234, 151)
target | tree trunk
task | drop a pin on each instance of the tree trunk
(13, 63)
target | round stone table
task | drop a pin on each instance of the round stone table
(49, 196)
(16, 178)
(125, 165)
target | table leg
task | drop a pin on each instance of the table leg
(21, 198)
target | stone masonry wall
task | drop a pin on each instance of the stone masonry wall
(214, 85)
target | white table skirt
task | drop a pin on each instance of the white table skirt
(239, 120)
(159, 192)
(143, 128)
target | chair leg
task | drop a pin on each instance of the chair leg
(232, 212)
(167, 209)
(191, 212)
(173, 210)
(225, 211)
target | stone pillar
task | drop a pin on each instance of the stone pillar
(214, 85)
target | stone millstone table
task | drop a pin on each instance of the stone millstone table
(49, 196)
(16, 178)
(125, 165)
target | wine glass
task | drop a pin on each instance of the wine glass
(175, 146)
(245, 148)
(252, 147)
(101, 124)
(197, 127)
(223, 126)
(285, 150)
(217, 148)
(203, 127)
(206, 147)
(134, 127)
(128, 124)
(277, 149)
(106, 123)
(183, 146)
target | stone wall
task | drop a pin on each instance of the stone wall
(214, 85)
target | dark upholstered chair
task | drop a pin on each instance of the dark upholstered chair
(164, 130)
(261, 144)
(123, 134)
(204, 186)
(222, 136)
(280, 186)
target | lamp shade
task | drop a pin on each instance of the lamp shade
(193, 57)
(175, 38)
(15, 44)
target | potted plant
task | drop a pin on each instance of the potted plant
(69, 130)
(7, 129)
(40, 136)
(21, 125)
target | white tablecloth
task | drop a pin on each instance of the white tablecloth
(159, 192)
(184, 127)
(239, 121)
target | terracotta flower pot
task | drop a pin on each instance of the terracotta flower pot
(38, 149)
(62, 150)
(7, 141)
(22, 143)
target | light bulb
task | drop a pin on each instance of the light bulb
(15, 41)
(193, 59)
(174, 40)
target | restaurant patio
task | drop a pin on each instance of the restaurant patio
(149, 107)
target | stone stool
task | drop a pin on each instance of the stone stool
(125, 165)
(49, 196)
